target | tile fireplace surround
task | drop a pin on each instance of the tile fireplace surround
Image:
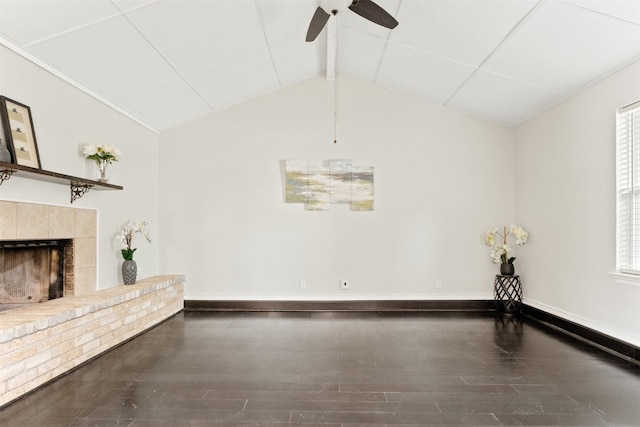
(21, 221)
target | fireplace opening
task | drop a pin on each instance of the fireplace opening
(35, 271)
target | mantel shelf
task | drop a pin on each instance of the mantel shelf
(79, 186)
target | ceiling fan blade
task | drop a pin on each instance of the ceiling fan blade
(374, 13)
(318, 21)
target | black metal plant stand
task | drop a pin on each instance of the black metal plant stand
(507, 292)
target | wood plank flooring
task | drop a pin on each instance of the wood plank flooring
(341, 369)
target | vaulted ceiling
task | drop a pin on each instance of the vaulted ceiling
(167, 62)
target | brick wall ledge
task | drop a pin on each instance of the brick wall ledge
(28, 319)
(43, 341)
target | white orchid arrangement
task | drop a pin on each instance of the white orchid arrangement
(101, 153)
(500, 253)
(125, 237)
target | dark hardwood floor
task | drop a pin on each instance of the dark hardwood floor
(341, 369)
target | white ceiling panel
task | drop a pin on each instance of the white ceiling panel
(285, 19)
(359, 54)
(27, 21)
(110, 57)
(127, 5)
(628, 10)
(296, 60)
(501, 99)
(420, 74)
(197, 34)
(566, 48)
(463, 30)
(235, 81)
(503, 60)
(166, 105)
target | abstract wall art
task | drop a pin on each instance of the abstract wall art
(320, 183)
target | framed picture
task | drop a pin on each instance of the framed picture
(19, 133)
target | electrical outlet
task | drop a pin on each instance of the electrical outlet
(344, 285)
(303, 284)
(438, 284)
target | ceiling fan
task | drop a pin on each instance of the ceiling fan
(365, 8)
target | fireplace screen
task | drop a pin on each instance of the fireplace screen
(33, 271)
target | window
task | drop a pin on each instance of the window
(628, 188)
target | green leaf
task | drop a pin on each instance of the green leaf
(127, 254)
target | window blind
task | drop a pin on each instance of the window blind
(628, 188)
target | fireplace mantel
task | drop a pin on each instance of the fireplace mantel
(79, 186)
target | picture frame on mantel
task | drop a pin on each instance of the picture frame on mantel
(19, 132)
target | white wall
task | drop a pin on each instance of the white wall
(65, 119)
(442, 179)
(565, 196)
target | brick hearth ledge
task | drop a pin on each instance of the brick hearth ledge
(43, 341)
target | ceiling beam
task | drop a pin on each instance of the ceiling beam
(331, 46)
